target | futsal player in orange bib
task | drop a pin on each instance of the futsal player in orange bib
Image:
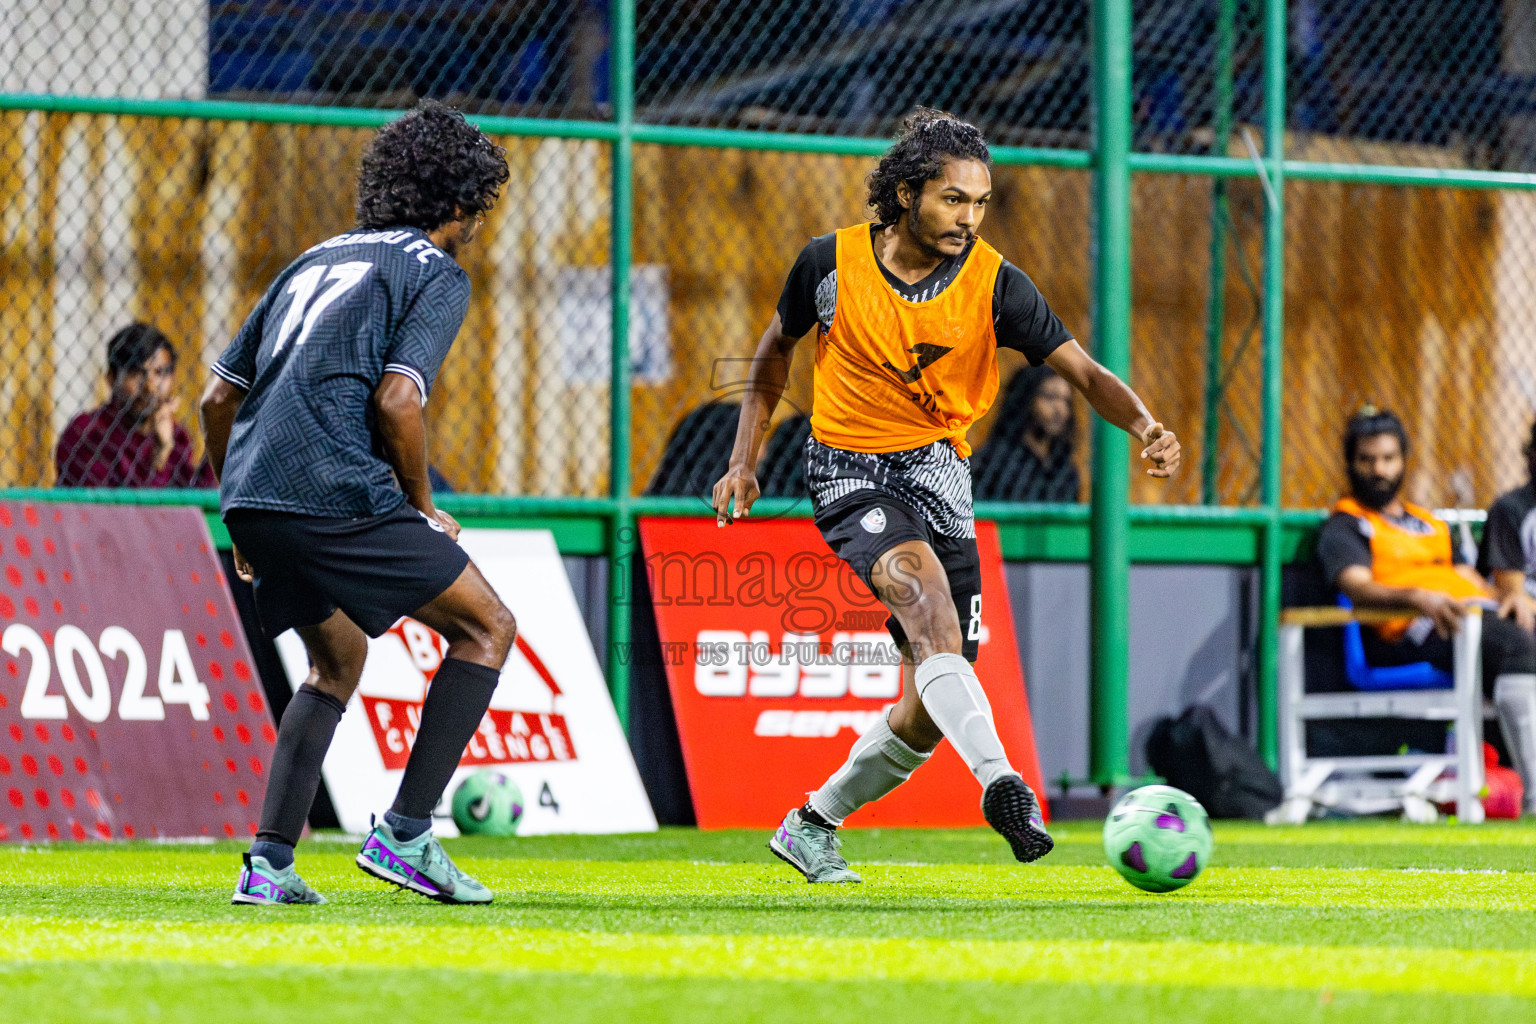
(909, 313)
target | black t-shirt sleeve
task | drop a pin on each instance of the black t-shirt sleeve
(1022, 319)
(1340, 544)
(798, 307)
(1501, 547)
(423, 339)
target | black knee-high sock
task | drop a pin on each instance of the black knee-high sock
(303, 737)
(455, 704)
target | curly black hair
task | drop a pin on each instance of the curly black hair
(928, 139)
(428, 168)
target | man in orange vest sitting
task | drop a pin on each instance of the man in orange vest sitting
(1383, 551)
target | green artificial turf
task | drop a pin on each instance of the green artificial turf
(1372, 921)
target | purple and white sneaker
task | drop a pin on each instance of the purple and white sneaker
(262, 884)
(1013, 812)
(811, 850)
(420, 866)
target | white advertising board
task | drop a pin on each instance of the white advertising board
(551, 725)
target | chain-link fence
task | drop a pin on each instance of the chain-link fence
(182, 224)
(1409, 297)
(1416, 300)
(1018, 70)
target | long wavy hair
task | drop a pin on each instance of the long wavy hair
(1003, 470)
(1018, 411)
(927, 141)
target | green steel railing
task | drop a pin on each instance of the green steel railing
(622, 527)
(1216, 297)
(1274, 362)
(608, 524)
(780, 142)
(1109, 751)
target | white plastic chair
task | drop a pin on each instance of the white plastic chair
(1358, 784)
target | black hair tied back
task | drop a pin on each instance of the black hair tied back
(927, 141)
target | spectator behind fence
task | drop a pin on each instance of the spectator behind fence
(1382, 551)
(1508, 557)
(134, 439)
(1028, 457)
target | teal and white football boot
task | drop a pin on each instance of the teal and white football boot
(420, 866)
(264, 885)
(811, 850)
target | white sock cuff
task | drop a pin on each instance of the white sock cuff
(895, 748)
(936, 665)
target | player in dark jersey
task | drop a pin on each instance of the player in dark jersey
(1508, 558)
(909, 313)
(314, 422)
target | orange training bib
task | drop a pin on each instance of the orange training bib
(1401, 558)
(892, 374)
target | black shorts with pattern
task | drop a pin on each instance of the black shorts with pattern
(866, 523)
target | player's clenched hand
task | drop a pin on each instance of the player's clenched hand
(1162, 447)
(449, 524)
(734, 494)
(242, 567)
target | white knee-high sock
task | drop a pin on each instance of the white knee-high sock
(877, 764)
(954, 699)
(1514, 695)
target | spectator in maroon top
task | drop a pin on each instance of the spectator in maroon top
(133, 440)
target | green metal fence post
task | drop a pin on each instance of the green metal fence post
(623, 535)
(1110, 754)
(1274, 367)
(1216, 304)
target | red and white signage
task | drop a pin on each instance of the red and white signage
(778, 658)
(551, 725)
(128, 705)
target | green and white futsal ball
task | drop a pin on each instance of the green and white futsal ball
(488, 803)
(1158, 837)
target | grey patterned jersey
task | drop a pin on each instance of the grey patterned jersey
(310, 357)
(933, 480)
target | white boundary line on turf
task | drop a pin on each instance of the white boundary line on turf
(1401, 871)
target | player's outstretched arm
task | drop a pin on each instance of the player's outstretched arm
(1113, 399)
(737, 490)
(403, 431)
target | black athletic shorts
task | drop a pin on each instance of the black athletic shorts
(864, 525)
(374, 568)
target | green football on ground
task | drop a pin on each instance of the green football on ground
(488, 803)
(1158, 837)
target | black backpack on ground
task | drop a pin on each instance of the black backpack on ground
(1196, 753)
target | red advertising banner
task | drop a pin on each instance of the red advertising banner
(128, 705)
(777, 659)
